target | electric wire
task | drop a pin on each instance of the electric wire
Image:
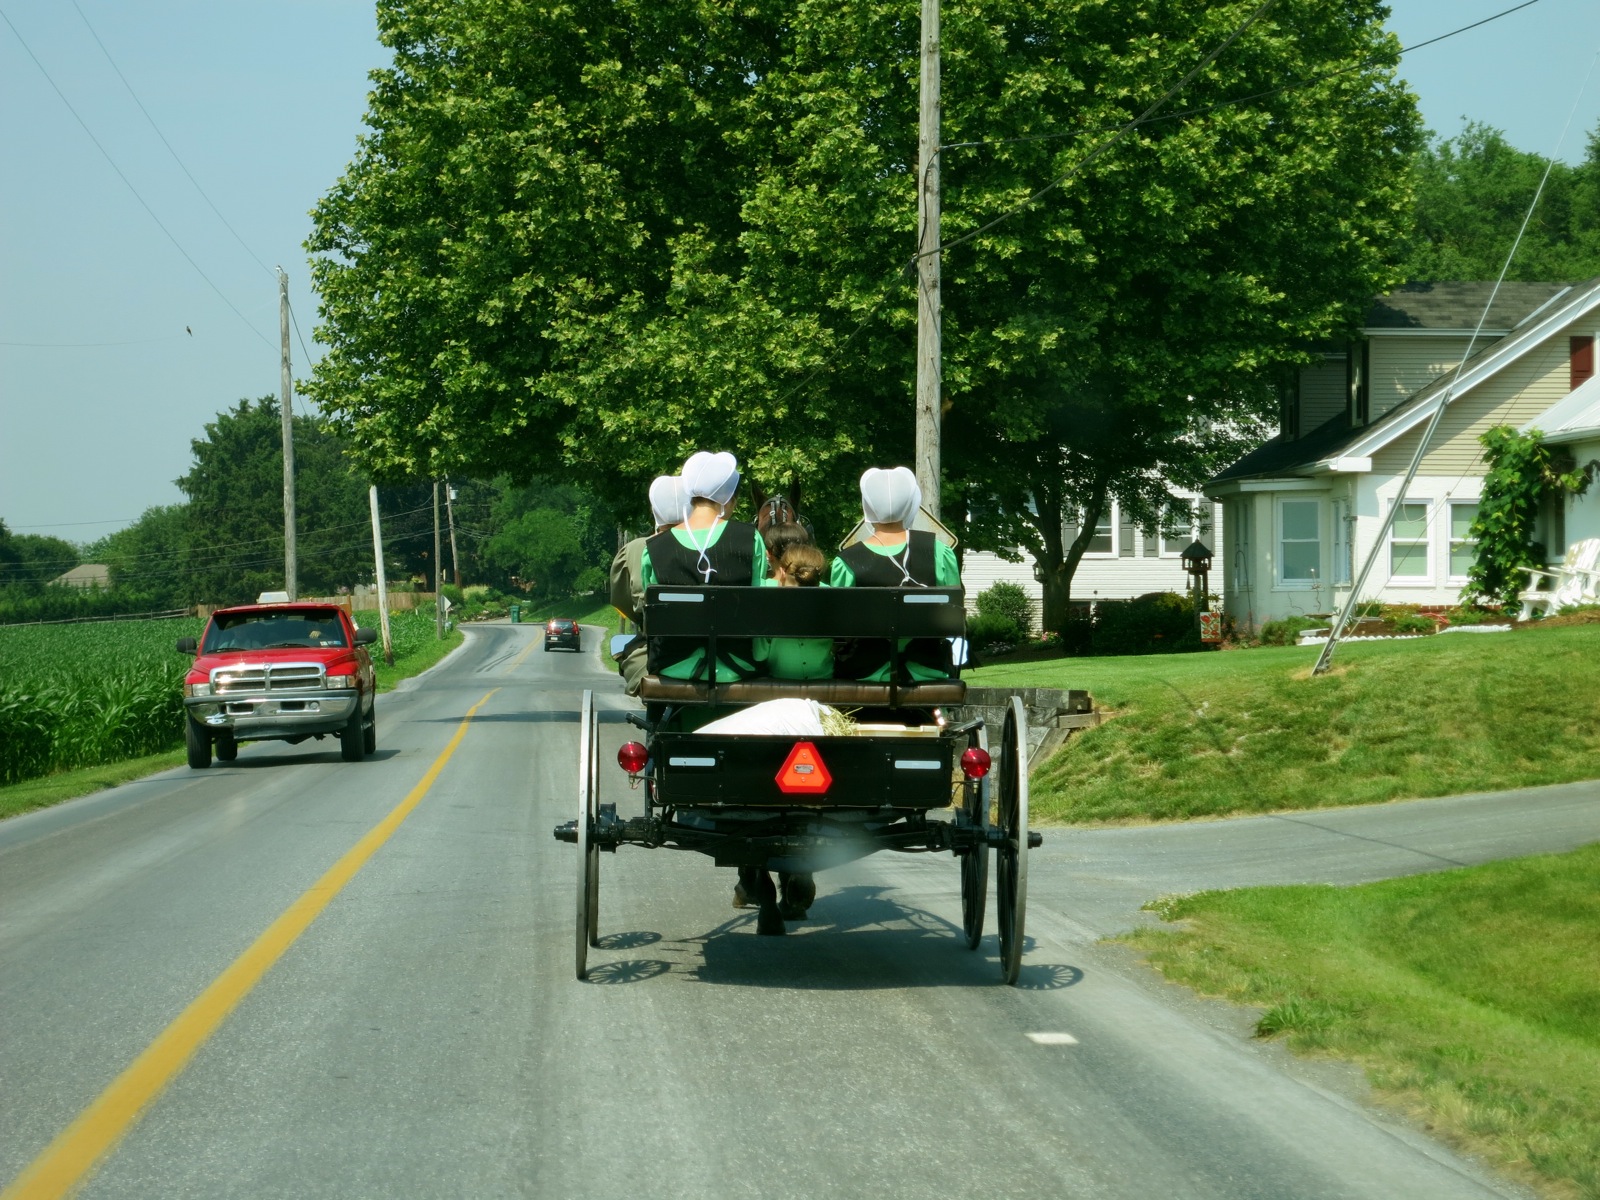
(182, 166)
(120, 175)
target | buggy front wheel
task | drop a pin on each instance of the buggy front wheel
(1011, 875)
(588, 923)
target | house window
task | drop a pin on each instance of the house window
(1463, 546)
(1105, 538)
(1408, 542)
(1299, 540)
(1177, 531)
(1342, 523)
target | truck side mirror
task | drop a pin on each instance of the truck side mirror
(365, 637)
(188, 645)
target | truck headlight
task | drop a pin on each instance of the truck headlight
(341, 681)
(197, 689)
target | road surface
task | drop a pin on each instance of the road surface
(189, 1012)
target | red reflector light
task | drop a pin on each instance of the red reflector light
(974, 762)
(632, 757)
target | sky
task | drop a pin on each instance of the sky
(116, 349)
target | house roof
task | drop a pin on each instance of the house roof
(1336, 438)
(1574, 417)
(1459, 305)
(85, 575)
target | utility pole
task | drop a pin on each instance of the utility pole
(929, 370)
(286, 393)
(383, 583)
(450, 516)
(438, 569)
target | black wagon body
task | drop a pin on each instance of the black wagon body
(907, 778)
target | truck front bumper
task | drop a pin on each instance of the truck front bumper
(262, 718)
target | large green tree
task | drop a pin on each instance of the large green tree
(1473, 192)
(590, 237)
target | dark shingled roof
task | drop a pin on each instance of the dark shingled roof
(1452, 305)
(1281, 455)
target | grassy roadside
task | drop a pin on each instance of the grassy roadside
(415, 651)
(1469, 996)
(1202, 735)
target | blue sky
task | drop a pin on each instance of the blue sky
(101, 388)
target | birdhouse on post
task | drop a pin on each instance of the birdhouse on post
(1197, 563)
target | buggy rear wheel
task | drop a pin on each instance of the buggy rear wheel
(1011, 875)
(588, 922)
(975, 862)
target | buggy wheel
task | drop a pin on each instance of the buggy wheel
(1011, 875)
(975, 862)
(588, 853)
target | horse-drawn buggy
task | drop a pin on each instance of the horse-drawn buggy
(890, 771)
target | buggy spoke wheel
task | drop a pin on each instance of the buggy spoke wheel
(1011, 875)
(588, 853)
(975, 862)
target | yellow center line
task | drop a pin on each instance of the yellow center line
(66, 1162)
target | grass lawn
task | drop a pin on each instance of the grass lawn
(1199, 735)
(1472, 997)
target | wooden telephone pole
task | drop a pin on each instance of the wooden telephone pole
(378, 574)
(286, 393)
(929, 369)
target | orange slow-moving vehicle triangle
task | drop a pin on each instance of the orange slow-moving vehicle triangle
(803, 772)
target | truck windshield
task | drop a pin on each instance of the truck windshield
(273, 630)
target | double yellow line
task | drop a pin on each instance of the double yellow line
(66, 1162)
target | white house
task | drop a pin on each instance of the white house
(1123, 560)
(1302, 511)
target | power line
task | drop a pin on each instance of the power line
(181, 165)
(295, 321)
(143, 203)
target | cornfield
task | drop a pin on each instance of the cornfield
(85, 694)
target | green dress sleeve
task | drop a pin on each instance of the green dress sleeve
(840, 574)
(647, 572)
(946, 569)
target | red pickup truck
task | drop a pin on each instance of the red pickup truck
(278, 671)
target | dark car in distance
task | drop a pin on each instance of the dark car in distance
(562, 631)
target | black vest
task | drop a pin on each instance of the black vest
(859, 657)
(732, 560)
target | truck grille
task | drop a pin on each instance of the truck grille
(274, 678)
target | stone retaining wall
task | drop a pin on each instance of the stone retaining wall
(1053, 713)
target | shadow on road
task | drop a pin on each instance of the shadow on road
(543, 716)
(247, 762)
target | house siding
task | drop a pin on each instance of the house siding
(1401, 366)
(1324, 392)
(1518, 393)
(1583, 512)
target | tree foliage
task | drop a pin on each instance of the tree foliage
(1473, 192)
(586, 239)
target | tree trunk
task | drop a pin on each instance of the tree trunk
(1057, 560)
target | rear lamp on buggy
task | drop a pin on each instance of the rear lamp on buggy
(632, 758)
(974, 762)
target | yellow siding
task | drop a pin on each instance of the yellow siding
(1323, 393)
(1402, 366)
(1513, 395)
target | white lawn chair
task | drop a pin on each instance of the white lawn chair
(1576, 582)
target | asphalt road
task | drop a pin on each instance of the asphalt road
(424, 1035)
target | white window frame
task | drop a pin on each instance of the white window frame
(1111, 515)
(1284, 582)
(1193, 532)
(1343, 542)
(1451, 541)
(1426, 541)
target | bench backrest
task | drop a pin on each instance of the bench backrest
(746, 612)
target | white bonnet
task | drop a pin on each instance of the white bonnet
(713, 477)
(890, 496)
(666, 499)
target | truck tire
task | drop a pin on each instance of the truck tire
(369, 736)
(352, 737)
(226, 747)
(198, 744)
